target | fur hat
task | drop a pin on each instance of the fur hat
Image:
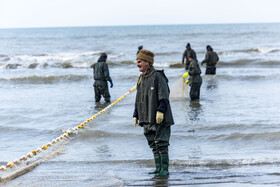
(146, 56)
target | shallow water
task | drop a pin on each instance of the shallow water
(230, 137)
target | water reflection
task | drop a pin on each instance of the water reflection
(195, 110)
(211, 84)
(160, 181)
(103, 152)
(101, 105)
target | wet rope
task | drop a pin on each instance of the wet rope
(62, 136)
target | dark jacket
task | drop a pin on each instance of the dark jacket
(101, 72)
(185, 56)
(211, 58)
(194, 72)
(152, 94)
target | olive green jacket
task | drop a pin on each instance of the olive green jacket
(101, 72)
(211, 59)
(194, 72)
(151, 89)
(185, 56)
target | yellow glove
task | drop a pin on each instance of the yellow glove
(185, 75)
(135, 122)
(187, 81)
(159, 117)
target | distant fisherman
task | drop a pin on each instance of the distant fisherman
(211, 59)
(101, 76)
(139, 49)
(195, 79)
(152, 110)
(185, 55)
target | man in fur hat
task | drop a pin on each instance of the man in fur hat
(152, 110)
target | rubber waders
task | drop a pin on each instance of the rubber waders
(164, 166)
(157, 163)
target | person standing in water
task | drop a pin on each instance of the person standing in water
(152, 110)
(185, 55)
(211, 59)
(195, 79)
(101, 76)
(139, 49)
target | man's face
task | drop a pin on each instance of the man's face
(142, 65)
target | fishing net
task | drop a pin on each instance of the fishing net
(179, 90)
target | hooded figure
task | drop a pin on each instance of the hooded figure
(185, 55)
(211, 59)
(195, 79)
(139, 49)
(152, 110)
(101, 76)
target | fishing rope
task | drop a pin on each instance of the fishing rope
(62, 136)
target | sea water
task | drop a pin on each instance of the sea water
(230, 137)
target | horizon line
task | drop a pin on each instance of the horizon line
(45, 27)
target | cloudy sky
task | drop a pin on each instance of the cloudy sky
(59, 13)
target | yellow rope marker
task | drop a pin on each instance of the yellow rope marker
(10, 165)
(44, 147)
(34, 153)
(64, 135)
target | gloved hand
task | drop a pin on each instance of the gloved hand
(159, 117)
(187, 82)
(202, 62)
(111, 83)
(185, 74)
(135, 122)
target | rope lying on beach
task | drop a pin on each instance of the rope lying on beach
(63, 136)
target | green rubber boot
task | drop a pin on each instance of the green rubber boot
(157, 164)
(164, 166)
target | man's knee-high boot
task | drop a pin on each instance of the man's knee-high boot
(164, 166)
(157, 159)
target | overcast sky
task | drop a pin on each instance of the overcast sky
(59, 13)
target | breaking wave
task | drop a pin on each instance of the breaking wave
(249, 62)
(262, 50)
(226, 162)
(49, 79)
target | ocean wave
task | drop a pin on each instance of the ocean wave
(249, 62)
(190, 162)
(262, 50)
(167, 53)
(268, 136)
(225, 162)
(50, 79)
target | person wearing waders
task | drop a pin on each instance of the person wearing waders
(101, 76)
(152, 110)
(195, 79)
(185, 55)
(211, 59)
